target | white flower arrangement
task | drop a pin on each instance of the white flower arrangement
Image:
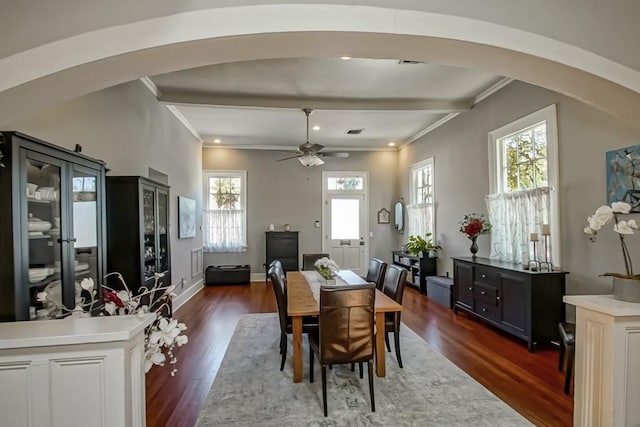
(326, 267)
(161, 337)
(603, 216)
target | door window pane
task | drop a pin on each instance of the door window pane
(345, 219)
(163, 244)
(85, 228)
(148, 203)
(345, 183)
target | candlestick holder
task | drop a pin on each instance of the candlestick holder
(546, 263)
(534, 264)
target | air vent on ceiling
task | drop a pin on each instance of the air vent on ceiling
(410, 62)
(354, 131)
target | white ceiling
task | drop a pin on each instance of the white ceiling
(257, 104)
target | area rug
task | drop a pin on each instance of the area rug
(250, 389)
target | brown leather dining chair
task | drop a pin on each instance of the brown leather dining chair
(345, 332)
(394, 283)
(376, 271)
(309, 259)
(309, 323)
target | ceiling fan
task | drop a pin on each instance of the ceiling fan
(310, 154)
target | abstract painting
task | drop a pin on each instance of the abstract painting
(186, 217)
(623, 176)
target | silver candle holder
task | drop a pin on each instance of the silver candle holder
(535, 264)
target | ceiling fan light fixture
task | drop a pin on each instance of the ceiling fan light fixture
(309, 160)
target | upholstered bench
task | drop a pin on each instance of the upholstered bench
(439, 290)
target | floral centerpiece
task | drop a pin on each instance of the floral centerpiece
(161, 337)
(326, 267)
(625, 286)
(474, 225)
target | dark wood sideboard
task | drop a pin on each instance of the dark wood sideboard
(419, 268)
(527, 304)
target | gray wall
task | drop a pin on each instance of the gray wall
(127, 128)
(460, 151)
(287, 193)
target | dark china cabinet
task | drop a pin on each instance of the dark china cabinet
(283, 246)
(52, 226)
(527, 304)
(138, 240)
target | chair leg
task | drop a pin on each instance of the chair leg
(396, 339)
(371, 394)
(360, 367)
(324, 389)
(353, 367)
(310, 364)
(567, 378)
(386, 340)
(561, 357)
(283, 350)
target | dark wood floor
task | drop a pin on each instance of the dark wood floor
(529, 383)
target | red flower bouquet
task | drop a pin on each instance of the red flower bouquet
(474, 225)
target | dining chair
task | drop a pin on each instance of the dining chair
(393, 286)
(309, 259)
(376, 271)
(309, 323)
(345, 332)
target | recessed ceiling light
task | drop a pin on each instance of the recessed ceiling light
(316, 127)
(345, 58)
(216, 141)
(392, 144)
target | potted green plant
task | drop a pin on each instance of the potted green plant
(418, 245)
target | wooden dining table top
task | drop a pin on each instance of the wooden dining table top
(302, 302)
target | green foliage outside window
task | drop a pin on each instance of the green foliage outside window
(525, 155)
(224, 193)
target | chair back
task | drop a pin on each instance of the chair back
(309, 259)
(394, 282)
(279, 289)
(346, 323)
(276, 264)
(375, 274)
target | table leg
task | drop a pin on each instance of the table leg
(297, 348)
(380, 347)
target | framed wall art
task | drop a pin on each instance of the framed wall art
(186, 217)
(383, 216)
(623, 176)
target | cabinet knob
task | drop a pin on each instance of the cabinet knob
(483, 293)
(497, 298)
(469, 287)
(484, 276)
(484, 309)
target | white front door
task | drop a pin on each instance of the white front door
(345, 224)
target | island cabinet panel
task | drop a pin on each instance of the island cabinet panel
(527, 304)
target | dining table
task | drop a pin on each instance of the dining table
(303, 299)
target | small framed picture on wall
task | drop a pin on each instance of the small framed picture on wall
(383, 216)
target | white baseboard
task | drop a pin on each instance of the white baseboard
(187, 294)
(258, 277)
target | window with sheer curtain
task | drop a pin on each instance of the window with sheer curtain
(224, 228)
(420, 208)
(523, 166)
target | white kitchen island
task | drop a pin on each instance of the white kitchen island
(73, 372)
(607, 381)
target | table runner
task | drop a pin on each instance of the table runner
(315, 280)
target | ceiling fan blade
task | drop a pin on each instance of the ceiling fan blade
(291, 157)
(333, 154)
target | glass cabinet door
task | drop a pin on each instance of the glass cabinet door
(149, 228)
(163, 232)
(42, 223)
(86, 226)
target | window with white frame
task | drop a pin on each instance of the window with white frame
(420, 207)
(523, 164)
(225, 215)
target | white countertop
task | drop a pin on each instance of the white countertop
(604, 304)
(42, 333)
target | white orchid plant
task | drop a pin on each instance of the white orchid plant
(603, 216)
(161, 337)
(326, 267)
